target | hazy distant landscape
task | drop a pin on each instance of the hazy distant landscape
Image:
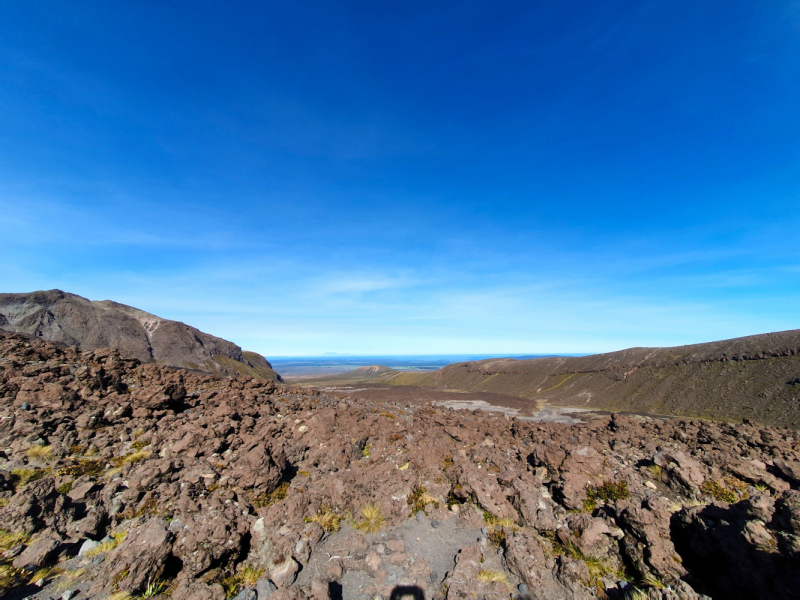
(314, 366)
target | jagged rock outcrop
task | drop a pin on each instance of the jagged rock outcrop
(57, 316)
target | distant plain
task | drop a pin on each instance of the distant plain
(298, 367)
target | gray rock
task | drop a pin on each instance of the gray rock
(25, 406)
(419, 516)
(265, 588)
(484, 530)
(246, 594)
(434, 577)
(284, 574)
(87, 546)
(68, 594)
(434, 523)
(522, 588)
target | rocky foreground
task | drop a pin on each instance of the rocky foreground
(120, 479)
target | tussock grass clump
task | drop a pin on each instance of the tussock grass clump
(130, 458)
(116, 540)
(327, 519)
(373, 518)
(25, 475)
(245, 578)
(45, 573)
(43, 453)
(9, 577)
(8, 539)
(490, 576)
(69, 578)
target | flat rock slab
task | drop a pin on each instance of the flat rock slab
(375, 563)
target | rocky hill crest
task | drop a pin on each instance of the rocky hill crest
(57, 316)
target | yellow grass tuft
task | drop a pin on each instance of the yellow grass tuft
(68, 578)
(43, 453)
(9, 577)
(373, 518)
(8, 540)
(109, 545)
(327, 519)
(489, 576)
(26, 475)
(247, 577)
(119, 596)
(45, 573)
(136, 456)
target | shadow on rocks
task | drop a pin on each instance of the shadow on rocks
(738, 551)
(407, 591)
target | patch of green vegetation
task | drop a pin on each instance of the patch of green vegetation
(598, 567)
(719, 492)
(655, 471)
(419, 498)
(64, 489)
(607, 491)
(366, 451)
(447, 461)
(139, 444)
(278, 494)
(83, 466)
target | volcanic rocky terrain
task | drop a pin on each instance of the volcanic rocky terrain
(122, 479)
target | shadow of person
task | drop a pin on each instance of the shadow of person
(335, 590)
(405, 591)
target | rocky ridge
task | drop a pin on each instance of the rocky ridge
(57, 316)
(123, 479)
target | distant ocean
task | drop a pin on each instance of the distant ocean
(307, 366)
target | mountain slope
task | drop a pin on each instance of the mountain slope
(57, 316)
(753, 377)
(756, 377)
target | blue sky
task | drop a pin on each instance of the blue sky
(409, 178)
